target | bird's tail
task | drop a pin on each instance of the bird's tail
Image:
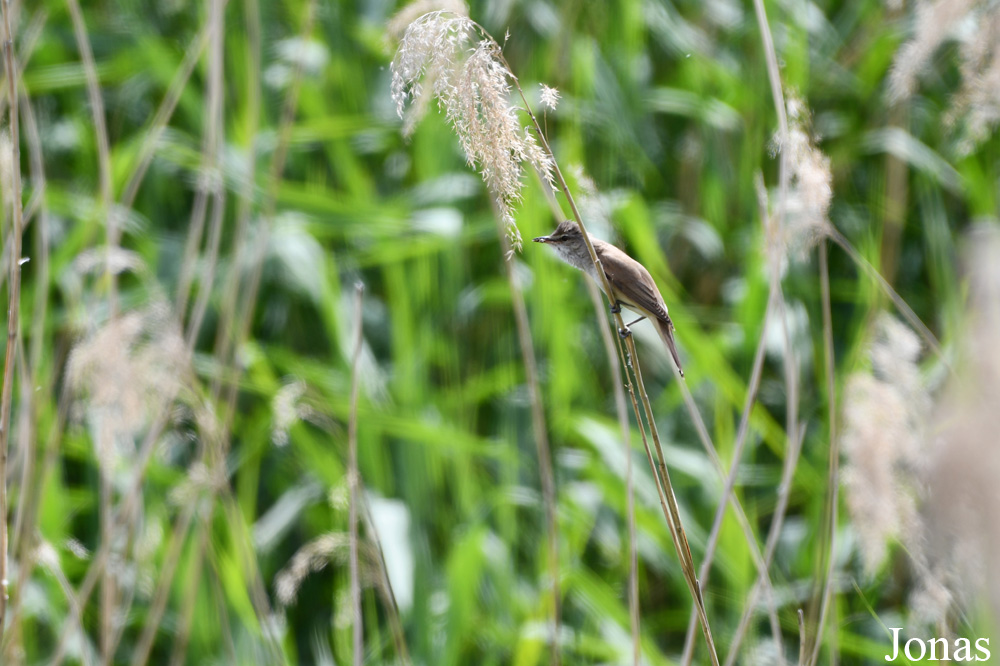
(666, 330)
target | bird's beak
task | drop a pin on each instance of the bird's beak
(543, 239)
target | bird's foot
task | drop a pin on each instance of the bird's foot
(616, 308)
(624, 332)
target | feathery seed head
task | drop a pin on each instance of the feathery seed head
(883, 428)
(549, 97)
(806, 211)
(959, 516)
(451, 59)
(404, 17)
(314, 556)
(976, 24)
(126, 371)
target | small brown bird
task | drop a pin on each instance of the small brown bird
(631, 283)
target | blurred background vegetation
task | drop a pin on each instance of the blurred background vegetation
(205, 182)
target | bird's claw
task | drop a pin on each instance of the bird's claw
(624, 332)
(616, 308)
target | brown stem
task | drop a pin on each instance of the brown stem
(103, 149)
(774, 533)
(14, 300)
(178, 536)
(674, 516)
(187, 612)
(353, 480)
(833, 474)
(896, 299)
(896, 194)
(388, 595)
(730, 483)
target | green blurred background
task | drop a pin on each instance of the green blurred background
(291, 159)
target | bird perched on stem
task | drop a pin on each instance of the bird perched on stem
(631, 284)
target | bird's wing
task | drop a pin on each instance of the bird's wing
(639, 292)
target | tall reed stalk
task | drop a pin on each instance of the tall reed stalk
(13, 301)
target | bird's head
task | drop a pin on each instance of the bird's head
(566, 231)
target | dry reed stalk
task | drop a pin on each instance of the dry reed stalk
(775, 303)
(28, 41)
(230, 297)
(730, 481)
(212, 169)
(14, 301)
(103, 146)
(22, 544)
(353, 481)
(385, 587)
(178, 537)
(833, 471)
(187, 613)
(672, 513)
(39, 310)
(802, 637)
(108, 591)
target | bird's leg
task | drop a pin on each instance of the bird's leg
(616, 308)
(627, 331)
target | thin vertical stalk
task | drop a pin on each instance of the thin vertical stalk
(39, 310)
(22, 543)
(774, 78)
(833, 473)
(730, 483)
(896, 193)
(187, 613)
(14, 299)
(774, 533)
(245, 203)
(108, 591)
(802, 638)
(108, 583)
(178, 536)
(101, 138)
(389, 595)
(353, 479)
(214, 141)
